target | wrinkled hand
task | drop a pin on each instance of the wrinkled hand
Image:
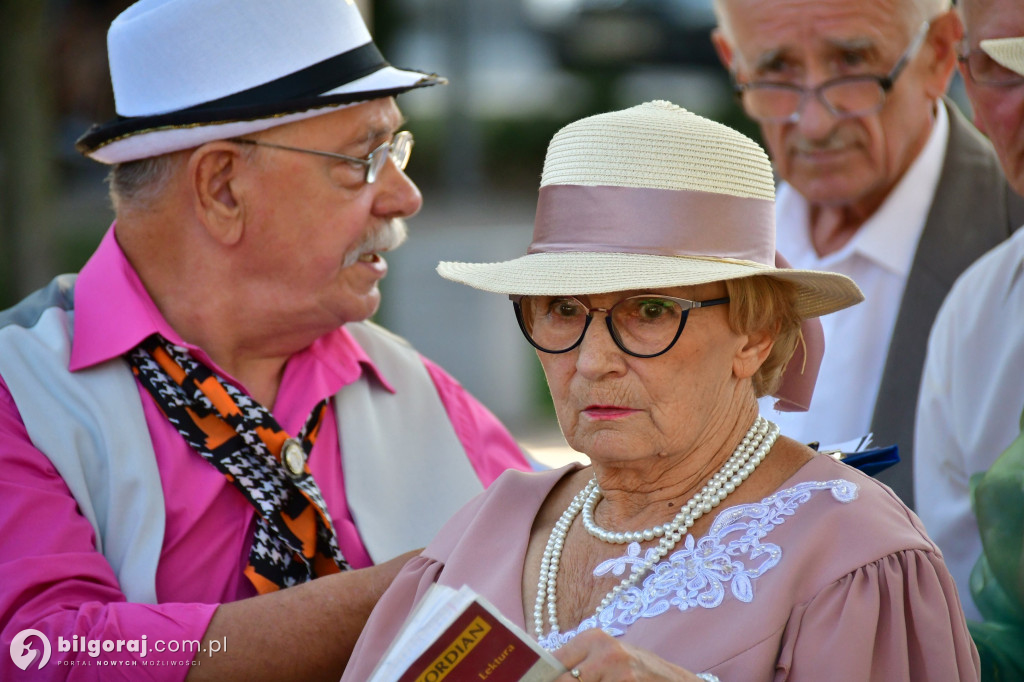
(599, 657)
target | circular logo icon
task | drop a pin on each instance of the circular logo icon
(23, 655)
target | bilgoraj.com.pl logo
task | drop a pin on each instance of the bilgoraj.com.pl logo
(26, 653)
(22, 652)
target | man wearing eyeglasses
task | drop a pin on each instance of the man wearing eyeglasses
(202, 418)
(972, 395)
(883, 180)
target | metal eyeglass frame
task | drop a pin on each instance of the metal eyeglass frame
(686, 304)
(401, 140)
(1012, 77)
(885, 83)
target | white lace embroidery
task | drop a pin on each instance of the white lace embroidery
(732, 553)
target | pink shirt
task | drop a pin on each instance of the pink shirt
(52, 578)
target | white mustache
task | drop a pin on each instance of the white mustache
(389, 236)
(833, 143)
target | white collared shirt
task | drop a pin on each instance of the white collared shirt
(970, 403)
(878, 258)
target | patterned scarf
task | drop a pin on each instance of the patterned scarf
(294, 541)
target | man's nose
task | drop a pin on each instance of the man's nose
(812, 118)
(397, 195)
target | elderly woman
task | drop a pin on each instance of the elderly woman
(699, 542)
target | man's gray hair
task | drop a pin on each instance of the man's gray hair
(923, 10)
(137, 183)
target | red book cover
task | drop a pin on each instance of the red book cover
(479, 646)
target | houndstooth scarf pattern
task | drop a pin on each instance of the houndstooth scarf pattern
(188, 393)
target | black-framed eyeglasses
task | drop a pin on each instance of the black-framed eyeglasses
(399, 149)
(983, 70)
(643, 326)
(843, 97)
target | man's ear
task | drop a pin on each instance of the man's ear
(753, 353)
(723, 49)
(213, 173)
(945, 34)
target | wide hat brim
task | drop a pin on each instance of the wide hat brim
(577, 273)
(125, 139)
(1008, 52)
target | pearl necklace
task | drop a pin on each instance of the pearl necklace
(748, 454)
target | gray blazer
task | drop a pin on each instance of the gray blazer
(973, 210)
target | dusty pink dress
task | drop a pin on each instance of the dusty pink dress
(831, 578)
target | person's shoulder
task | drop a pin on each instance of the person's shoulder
(999, 268)
(966, 142)
(59, 293)
(514, 484)
(874, 520)
(861, 524)
(988, 283)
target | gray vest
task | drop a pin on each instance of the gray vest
(405, 470)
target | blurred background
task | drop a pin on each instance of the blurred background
(518, 71)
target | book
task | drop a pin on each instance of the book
(458, 636)
(857, 454)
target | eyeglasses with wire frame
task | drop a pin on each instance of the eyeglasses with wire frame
(644, 326)
(983, 70)
(399, 149)
(843, 97)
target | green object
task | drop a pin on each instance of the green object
(997, 581)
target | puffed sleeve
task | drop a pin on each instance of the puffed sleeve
(898, 618)
(389, 615)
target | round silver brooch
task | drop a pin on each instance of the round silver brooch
(294, 457)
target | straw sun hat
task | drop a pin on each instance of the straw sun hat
(187, 72)
(648, 197)
(1006, 51)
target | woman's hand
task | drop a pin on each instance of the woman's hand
(596, 656)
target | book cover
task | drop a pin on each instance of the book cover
(461, 637)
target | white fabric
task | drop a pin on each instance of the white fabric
(400, 451)
(167, 55)
(170, 55)
(972, 394)
(878, 258)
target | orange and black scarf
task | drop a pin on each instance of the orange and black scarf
(294, 540)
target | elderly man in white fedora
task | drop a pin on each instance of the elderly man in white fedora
(201, 417)
(972, 395)
(699, 543)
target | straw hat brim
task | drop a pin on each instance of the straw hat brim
(577, 273)
(1008, 52)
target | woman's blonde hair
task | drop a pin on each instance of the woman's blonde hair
(762, 303)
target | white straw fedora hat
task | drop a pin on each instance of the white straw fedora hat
(1008, 52)
(652, 196)
(186, 72)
